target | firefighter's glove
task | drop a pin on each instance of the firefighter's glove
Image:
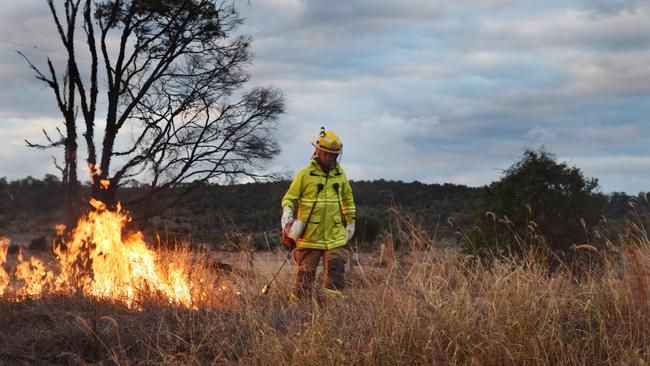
(350, 231)
(287, 217)
(287, 242)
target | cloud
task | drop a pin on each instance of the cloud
(569, 27)
(609, 7)
(340, 21)
(476, 178)
(27, 27)
(436, 91)
(17, 160)
(541, 135)
(624, 172)
(625, 73)
(391, 147)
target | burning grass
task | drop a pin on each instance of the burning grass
(442, 309)
(101, 261)
(434, 306)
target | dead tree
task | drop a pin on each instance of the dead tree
(64, 92)
(174, 110)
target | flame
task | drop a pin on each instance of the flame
(100, 261)
(94, 169)
(33, 273)
(4, 276)
(121, 267)
(59, 229)
(95, 172)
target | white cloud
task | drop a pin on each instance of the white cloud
(615, 172)
(541, 135)
(619, 164)
(569, 27)
(436, 91)
(476, 178)
(17, 160)
(609, 74)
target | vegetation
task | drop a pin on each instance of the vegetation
(174, 105)
(434, 306)
(212, 214)
(538, 195)
(173, 77)
(429, 303)
(216, 215)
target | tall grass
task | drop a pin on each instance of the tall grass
(434, 306)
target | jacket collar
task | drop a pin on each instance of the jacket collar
(316, 169)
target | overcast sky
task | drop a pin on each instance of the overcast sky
(434, 91)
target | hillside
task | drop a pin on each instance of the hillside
(214, 214)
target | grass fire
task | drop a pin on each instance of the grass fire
(101, 260)
(173, 192)
(426, 304)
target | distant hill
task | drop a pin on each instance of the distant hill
(211, 211)
(218, 215)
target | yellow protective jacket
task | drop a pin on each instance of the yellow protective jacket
(333, 208)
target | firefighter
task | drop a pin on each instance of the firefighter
(321, 198)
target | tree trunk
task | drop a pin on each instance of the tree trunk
(71, 181)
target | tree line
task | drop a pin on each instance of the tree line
(211, 213)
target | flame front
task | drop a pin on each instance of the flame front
(4, 276)
(101, 262)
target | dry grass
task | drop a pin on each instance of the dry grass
(435, 306)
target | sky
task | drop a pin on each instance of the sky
(426, 90)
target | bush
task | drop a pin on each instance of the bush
(366, 229)
(538, 196)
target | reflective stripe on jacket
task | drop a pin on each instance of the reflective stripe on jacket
(333, 208)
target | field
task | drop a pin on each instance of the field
(435, 306)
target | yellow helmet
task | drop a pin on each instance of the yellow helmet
(328, 141)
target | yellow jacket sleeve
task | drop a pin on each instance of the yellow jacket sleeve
(347, 202)
(294, 193)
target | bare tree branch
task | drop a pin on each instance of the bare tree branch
(173, 74)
